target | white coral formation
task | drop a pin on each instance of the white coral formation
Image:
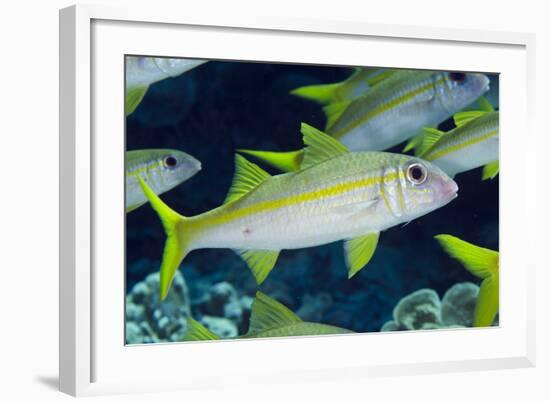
(423, 310)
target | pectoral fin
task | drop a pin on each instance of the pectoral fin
(259, 262)
(134, 97)
(354, 210)
(359, 251)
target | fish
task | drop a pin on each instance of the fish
(473, 143)
(357, 84)
(141, 72)
(392, 111)
(482, 263)
(268, 318)
(336, 195)
(162, 169)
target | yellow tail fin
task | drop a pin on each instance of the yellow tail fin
(284, 161)
(483, 263)
(322, 94)
(177, 245)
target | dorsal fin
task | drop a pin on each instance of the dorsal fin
(333, 112)
(267, 314)
(247, 177)
(465, 117)
(429, 139)
(319, 146)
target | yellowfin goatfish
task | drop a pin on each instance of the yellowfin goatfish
(162, 169)
(391, 111)
(473, 143)
(268, 318)
(482, 263)
(144, 71)
(336, 195)
(354, 86)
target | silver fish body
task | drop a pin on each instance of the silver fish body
(143, 71)
(469, 146)
(399, 106)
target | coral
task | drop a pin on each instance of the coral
(220, 326)
(423, 309)
(419, 310)
(458, 304)
(148, 319)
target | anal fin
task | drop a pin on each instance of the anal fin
(260, 262)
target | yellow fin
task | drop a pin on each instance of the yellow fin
(247, 177)
(484, 104)
(359, 251)
(319, 146)
(267, 313)
(333, 112)
(177, 244)
(430, 137)
(487, 302)
(197, 332)
(490, 170)
(481, 262)
(284, 161)
(413, 143)
(259, 262)
(134, 97)
(465, 117)
(322, 94)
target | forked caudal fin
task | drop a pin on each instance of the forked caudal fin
(177, 243)
(483, 263)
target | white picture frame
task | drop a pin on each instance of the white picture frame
(93, 358)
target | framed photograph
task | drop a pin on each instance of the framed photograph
(289, 199)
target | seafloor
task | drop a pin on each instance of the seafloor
(218, 107)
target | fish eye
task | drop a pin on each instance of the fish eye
(170, 161)
(458, 77)
(417, 173)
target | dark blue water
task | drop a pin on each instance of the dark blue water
(218, 107)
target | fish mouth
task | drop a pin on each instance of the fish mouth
(450, 191)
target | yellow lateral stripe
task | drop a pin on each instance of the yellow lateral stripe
(461, 145)
(265, 206)
(383, 107)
